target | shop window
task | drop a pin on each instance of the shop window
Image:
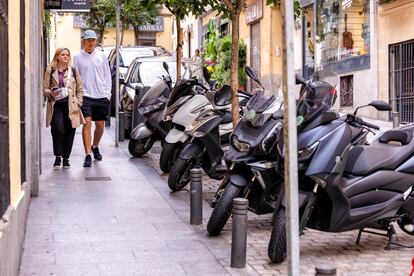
(346, 91)
(224, 29)
(343, 30)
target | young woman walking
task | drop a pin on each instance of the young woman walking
(62, 86)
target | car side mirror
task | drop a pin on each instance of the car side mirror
(380, 105)
(138, 89)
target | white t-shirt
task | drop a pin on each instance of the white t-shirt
(94, 71)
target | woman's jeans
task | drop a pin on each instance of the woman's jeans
(62, 131)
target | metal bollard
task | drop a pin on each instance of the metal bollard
(121, 126)
(325, 270)
(239, 233)
(395, 119)
(196, 197)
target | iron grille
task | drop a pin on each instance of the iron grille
(401, 85)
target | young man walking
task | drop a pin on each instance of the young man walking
(94, 71)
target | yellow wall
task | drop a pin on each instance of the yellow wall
(391, 17)
(65, 35)
(164, 38)
(14, 101)
(270, 41)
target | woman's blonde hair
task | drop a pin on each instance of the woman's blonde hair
(54, 62)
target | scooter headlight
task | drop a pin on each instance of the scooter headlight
(239, 145)
(306, 153)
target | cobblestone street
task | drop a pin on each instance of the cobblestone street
(335, 249)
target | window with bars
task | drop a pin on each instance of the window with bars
(401, 79)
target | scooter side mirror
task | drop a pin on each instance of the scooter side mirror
(121, 81)
(252, 74)
(138, 89)
(380, 105)
(165, 65)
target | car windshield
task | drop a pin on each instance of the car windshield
(129, 55)
(151, 71)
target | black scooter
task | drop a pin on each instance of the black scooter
(252, 160)
(346, 185)
(151, 109)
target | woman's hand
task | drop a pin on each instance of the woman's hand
(54, 94)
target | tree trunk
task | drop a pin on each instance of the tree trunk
(179, 47)
(136, 32)
(234, 78)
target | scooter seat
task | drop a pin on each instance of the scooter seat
(387, 153)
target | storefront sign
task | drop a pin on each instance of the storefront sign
(79, 21)
(68, 5)
(254, 12)
(158, 26)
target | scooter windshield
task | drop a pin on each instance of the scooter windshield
(193, 75)
(317, 95)
(155, 93)
(260, 108)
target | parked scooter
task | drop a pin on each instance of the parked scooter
(344, 186)
(252, 156)
(207, 134)
(188, 95)
(151, 108)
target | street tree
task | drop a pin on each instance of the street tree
(134, 14)
(232, 9)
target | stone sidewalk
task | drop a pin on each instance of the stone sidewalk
(116, 218)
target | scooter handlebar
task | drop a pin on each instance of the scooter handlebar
(362, 122)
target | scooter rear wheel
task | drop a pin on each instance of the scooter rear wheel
(138, 148)
(180, 174)
(277, 243)
(222, 210)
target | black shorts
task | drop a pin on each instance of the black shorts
(98, 109)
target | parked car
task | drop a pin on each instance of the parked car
(126, 55)
(142, 74)
(106, 49)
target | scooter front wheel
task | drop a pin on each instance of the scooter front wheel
(169, 153)
(180, 174)
(222, 210)
(277, 243)
(138, 148)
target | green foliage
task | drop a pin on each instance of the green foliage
(210, 43)
(101, 15)
(133, 13)
(48, 23)
(223, 69)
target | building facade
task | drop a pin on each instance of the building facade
(67, 30)
(396, 56)
(22, 51)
